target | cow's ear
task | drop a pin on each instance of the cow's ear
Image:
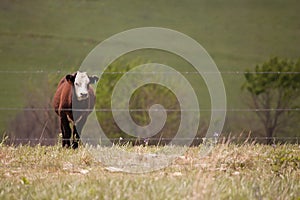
(70, 78)
(93, 79)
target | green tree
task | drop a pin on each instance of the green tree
(140, 101)
(274, 88)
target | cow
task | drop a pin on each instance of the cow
(73, 101)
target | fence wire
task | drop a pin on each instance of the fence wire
(7, 71)
(155, 141)
(130, 72)
(122, 140)
(155, 110)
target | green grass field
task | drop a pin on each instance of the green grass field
(248, 171)
(57, 35)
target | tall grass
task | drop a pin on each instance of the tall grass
(248, 171)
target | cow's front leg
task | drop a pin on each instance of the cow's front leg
(66, 130)
(76, 138)
(77, 131)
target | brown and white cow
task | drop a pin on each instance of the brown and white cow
(73, 101)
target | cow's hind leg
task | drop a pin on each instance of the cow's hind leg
(66, 130)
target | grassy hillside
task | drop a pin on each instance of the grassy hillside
(57, 35)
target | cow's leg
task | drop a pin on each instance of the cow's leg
(66, 130)
(77, 131)
(76, 138)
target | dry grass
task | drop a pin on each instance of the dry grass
(248, 171)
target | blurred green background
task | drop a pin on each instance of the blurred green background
(51, 38)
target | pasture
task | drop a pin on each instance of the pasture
(247, 171)
(40, 41)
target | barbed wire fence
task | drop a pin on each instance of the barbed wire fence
(240, 138)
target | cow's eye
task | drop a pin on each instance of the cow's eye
(77, 84)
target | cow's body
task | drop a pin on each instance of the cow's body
(73, 108)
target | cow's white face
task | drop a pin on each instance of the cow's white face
(81, 83)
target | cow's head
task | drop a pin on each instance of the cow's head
(81, 82)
